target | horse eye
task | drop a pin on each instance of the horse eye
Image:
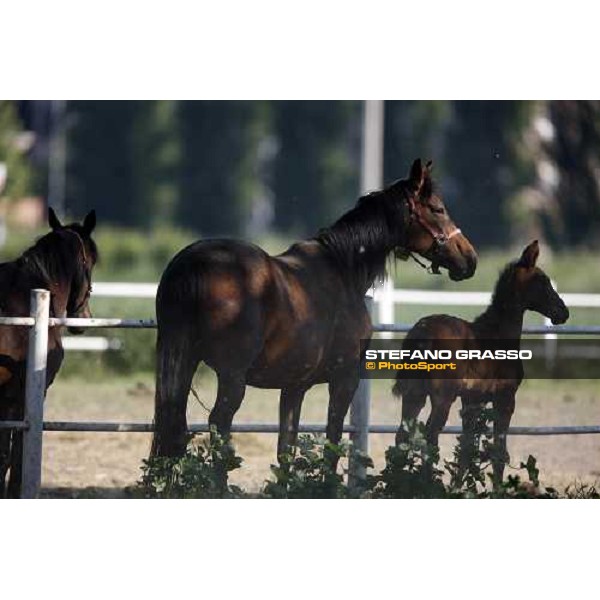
(437, 211)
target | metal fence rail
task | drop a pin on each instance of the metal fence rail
(33, 424)
(147, 427)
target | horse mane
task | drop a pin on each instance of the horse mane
(360, 241)
(56, 257)
(502, 296)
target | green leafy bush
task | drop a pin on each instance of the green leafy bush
(201, 473)
(413, 470)
(308, 473)
(136, 255)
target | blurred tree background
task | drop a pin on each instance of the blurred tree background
(508, 169)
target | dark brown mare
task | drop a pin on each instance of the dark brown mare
(62, 262)
(290, 321)
(521, 286)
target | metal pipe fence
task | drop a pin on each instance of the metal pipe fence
(33, 424)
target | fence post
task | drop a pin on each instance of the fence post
(35, 391)
(359, 419)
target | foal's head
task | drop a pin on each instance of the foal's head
(431, 232)
(527, 285)
(87, 256)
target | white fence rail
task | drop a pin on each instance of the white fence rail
(33, 425)
(385, 297)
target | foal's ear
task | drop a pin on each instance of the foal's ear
(89, 223)
(53, 220)
(530, 255)
(429, 166)
(417, 175)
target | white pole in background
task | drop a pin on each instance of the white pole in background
(35, 392)
(371, 179)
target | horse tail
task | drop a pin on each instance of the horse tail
(176, 362)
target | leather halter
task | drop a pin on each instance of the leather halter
(440, 238)
(86, 271)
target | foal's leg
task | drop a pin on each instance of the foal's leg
(413, 402)
(440, 409)
(471, 409)
(341, 391)
(504, 408)
(290, 404)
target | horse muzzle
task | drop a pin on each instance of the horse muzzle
(458, 268)
(560, 316)
(84, 314)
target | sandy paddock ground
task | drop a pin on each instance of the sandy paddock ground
(103, 464)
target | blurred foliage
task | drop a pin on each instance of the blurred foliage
(132, 255)
(575, 152)
(507, 169)
(415, 129)
(315, 168)
(484, 166)
(20, 180)
(219, 166)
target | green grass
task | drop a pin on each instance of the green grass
(572, 271)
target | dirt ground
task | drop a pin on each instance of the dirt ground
(103, 464)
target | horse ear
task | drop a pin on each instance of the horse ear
(53, 220)
(417, 175)
(429, 166)
(89, 223)
(530, 255)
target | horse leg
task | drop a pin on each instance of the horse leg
(471, 409)
(412, 404)
(16, 465)
(230, 393)
(341, 391)
(5, 438)
(176, 363)
(440, 409)
(290, 405)
(504, 409)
